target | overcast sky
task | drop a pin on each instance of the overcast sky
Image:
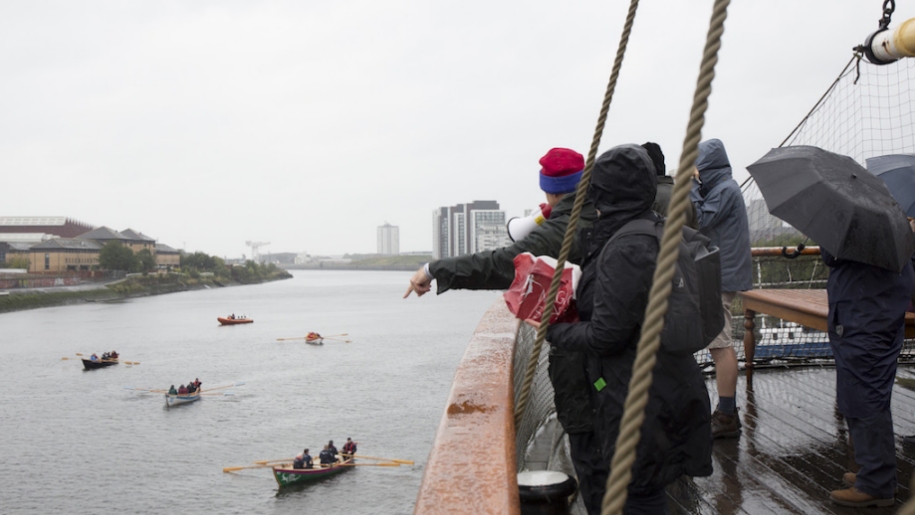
(307, 124)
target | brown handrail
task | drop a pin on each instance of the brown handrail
(471, 468)
(781, 251)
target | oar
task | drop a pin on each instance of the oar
(332, 335)
(233, 469)
(337, 339)
(145, 389)
(392, 464)
(296, 338)
(264, 462)
(214, 394)
(402, 462)
(237, 383)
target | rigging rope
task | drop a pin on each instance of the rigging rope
(637, 398)
(580, 193)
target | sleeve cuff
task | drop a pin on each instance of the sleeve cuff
(428, 273)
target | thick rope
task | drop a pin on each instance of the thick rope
(580, 194)
(637, 399)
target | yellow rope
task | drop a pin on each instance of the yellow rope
(634, 410)
(580, 194)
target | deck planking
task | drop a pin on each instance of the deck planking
(793, 450)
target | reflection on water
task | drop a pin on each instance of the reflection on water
(79, 442)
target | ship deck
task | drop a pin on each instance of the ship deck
(794, 448)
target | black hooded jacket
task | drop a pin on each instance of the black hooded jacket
(612, 296)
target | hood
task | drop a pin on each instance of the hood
(623, 183)
(713, 163)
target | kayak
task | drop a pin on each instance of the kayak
(290, 476)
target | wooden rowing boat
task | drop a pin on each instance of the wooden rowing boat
(286, 475)
(234, 321)
(101, 363)
(315, 341)
(175, 400)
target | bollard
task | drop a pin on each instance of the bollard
(545, 492)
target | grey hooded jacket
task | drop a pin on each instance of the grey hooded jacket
(723, 216)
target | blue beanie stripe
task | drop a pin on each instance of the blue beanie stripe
(557, 185)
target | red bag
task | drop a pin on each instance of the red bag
(526, 297)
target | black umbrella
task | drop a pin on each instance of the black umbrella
(837, 203)
(898, 172)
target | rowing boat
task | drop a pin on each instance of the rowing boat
(101, 363)
(290, 476)
(234, 321)
(175, 400)
(315, 341)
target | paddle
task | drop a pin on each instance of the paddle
(400, 462)
(338, 339)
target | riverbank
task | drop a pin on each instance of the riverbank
(131, 287)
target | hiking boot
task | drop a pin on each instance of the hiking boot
(858, 499)
(849, 478)
(725, 426)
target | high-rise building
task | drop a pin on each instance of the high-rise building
(468, 228)
(388, 239)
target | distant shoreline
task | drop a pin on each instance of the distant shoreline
(33, 298)
(353, 266)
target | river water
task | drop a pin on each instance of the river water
(77, 441)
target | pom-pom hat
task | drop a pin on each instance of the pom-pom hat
(561, 170)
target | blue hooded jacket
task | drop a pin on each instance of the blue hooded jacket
(723, 216)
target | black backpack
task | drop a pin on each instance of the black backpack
(694, 315)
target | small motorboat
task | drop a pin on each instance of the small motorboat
(90, 364)
(286, 475)
(175, 400)
(234, 321)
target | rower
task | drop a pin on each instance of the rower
(327, 458)
(172, 391)
(114, 354)
(349, 448)
(303, 461)
(191, 388)
(182, 390)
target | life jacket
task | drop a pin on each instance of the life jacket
(349, 448)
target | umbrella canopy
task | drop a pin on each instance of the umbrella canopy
(898, 172)
(837, 203)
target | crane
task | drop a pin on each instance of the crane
(254, 246)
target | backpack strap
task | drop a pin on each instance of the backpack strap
(640, 226)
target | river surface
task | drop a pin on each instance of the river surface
(76, 441)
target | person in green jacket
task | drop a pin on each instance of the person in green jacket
(560, 172)
(172, 391)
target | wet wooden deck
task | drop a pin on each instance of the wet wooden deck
(794, 448)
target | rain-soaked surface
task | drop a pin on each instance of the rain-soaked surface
(794, 448)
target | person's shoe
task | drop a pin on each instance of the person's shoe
(725, 426)
(849, 478)
(857, 499)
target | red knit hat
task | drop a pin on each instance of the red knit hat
(561, 170)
